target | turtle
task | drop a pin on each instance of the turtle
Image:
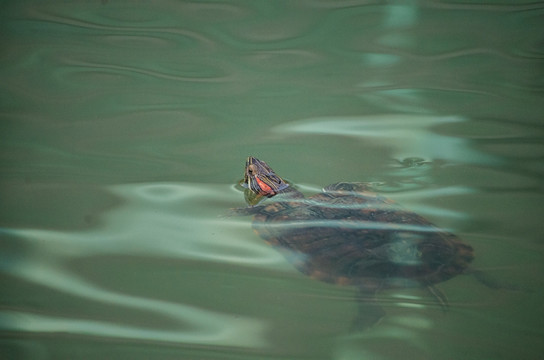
(350, 235)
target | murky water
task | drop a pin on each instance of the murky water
(125, 126)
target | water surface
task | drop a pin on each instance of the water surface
(125, 126)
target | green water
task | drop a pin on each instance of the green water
(126, 124)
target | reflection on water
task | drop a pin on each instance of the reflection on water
(125, 125)
(408, 135)
(144, 226)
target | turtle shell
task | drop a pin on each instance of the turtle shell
(350, 235)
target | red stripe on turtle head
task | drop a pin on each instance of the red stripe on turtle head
(264, 188)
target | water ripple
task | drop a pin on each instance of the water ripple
(167, 211)
(409, 135)
(48, 16)
(194, 325)
(203, 74)
(152, 223)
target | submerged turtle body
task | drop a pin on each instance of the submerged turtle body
(350, 235)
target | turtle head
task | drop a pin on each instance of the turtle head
(260, 181)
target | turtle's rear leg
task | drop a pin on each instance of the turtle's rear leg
(369, 311)
(439, 296)
(489, 281)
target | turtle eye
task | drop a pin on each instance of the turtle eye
(250, 169)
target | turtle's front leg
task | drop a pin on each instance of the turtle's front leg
(245, 211)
